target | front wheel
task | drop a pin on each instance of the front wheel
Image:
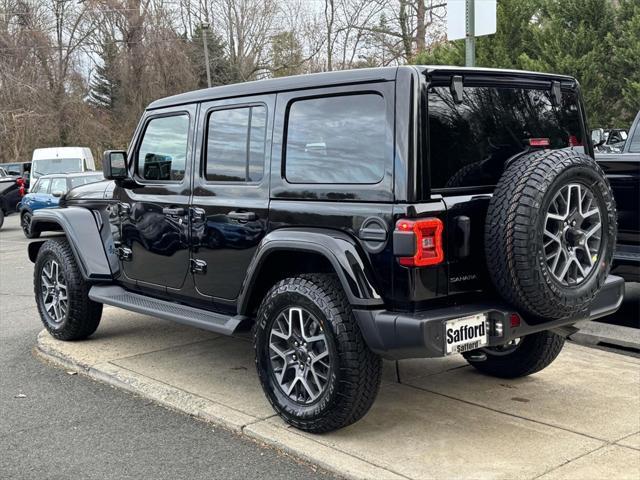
(521, 357)
(62, 295)
(25, 223)
(313, 363)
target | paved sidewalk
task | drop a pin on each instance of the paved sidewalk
(579, 418)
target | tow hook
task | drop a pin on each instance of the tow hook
(476, 356)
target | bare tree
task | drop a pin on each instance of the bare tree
(248, 26)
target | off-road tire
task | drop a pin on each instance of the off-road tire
(534, 353)
(357, 371)
(514, 240)
(83, 315)
(25, 223)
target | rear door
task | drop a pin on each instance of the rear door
(470, 144)
(230, 203)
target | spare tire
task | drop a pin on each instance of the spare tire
(550, 233)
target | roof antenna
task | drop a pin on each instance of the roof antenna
(556, 93)
(456, 88)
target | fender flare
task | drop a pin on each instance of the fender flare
(83, 234)
(343, 253)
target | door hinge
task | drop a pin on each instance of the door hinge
(198, 266)
(125, 254)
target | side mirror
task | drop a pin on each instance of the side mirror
(597, 137)
(57, 193)
(114, 164)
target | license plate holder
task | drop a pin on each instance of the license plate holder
(465, 334)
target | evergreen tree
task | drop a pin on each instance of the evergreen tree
(571, 38)
(286, 54)
(625, 55)
(221, 69)
(105, 84)
(596, 41)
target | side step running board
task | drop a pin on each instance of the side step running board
(194, 317)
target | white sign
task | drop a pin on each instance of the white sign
(485, 18)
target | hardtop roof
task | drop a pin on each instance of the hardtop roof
(342, 77)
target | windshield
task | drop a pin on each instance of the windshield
(77, 181)
(56, 165)
(470, 142)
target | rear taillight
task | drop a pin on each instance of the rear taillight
(427, 241)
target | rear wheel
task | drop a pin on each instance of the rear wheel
(62, 295)
(519, 358)
(313, 363)
(25, 223)
(1, 217)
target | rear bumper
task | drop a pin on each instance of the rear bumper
(397, 335)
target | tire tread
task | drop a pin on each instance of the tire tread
(84, 314)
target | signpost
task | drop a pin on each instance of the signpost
(469, 19)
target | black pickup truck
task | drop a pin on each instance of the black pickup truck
(346, 217)
(623, 172)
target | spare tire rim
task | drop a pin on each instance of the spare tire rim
(299, 355)
(572, 234)
(54, 291)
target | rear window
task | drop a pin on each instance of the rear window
(470, 142)
(337, 139)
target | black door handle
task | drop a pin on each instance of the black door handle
(243, 216)
(173, 211)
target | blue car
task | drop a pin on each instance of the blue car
(46, 193)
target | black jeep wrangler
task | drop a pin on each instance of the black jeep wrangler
(347, 217)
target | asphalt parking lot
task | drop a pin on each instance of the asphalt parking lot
(433, 418)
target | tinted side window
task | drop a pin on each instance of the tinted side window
(634, 147)
(59, 185)
(236, 142)
(163, 150)
(339, 139)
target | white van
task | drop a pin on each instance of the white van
(60, 160)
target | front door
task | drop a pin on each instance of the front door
(154, 215)
(40, 197)
(230, 193)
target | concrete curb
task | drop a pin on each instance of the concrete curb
(264, 430)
